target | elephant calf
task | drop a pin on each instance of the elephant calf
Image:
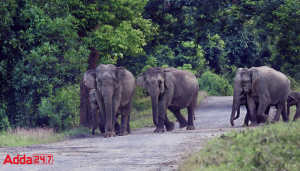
(112, 93)
(294, 99)
(173, 89)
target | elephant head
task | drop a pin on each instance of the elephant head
(244, 82)
(106, 79)
(293, 99)
(155, 81)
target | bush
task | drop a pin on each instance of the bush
(214, 84)
(61, 111)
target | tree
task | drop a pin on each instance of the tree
(40, 51)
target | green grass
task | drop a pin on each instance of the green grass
(22, 136)
(271, 147)
(141, 114)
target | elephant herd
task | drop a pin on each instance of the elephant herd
(258, 88)
(112, 90)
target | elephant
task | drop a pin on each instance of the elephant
(112, 93)
(93, 95)
(173, 89)
(263, 86)
(292, 100)
(243, 101)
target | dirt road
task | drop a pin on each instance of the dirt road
(141, 150)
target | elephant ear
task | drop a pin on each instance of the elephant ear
(89, 78)
(255, 77)
(168, 78)
(121, 76)
(140, 81)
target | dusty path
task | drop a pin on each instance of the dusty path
(141, 150)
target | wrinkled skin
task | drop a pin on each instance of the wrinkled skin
(112, 93)
(263, 86)
(294, 99)
(243, 101)
(173, 89)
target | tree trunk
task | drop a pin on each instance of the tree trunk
(85, 106)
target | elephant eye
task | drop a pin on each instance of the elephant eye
(159, 81)
(243, 83)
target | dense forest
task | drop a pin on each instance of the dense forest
(47, 45)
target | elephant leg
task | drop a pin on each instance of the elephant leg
(125, 117)
(128, 125)
(191, 112)
(176, 111)
(94, 108)
(252, 110)
(285, 116)
(247, 118)
(161, 114)
(296, 116)
(117, 125)
(280, 110)
(264, 103)
(169, 125)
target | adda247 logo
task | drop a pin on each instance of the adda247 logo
(34, 159)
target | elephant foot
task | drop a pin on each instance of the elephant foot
(190, 127)
(273, 122)
(159, 130)
(102, 130)
(170, 126)
(93, 131)
(122, 133)
(244, 125)
(253, 125)
(184, 124)
(109, 134)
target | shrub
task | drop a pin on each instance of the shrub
(61, 111)
(214, 84)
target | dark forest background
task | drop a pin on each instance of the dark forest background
(47, 45)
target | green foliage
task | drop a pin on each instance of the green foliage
(40, 50)
(215, 85)
(4, 123)
(114, 28)
(273, 147)
(61, 111)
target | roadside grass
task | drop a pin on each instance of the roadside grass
(22, 136)
(141, 113)
(271, 147)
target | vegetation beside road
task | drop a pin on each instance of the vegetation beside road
(272, 147)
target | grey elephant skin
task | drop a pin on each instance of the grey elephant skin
(172, 89)
(112, 93)
(243, 101)
(263, 86)
(294, 99)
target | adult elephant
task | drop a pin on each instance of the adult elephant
(294, 99)
(263, 86)
(173, 89)
(112, 90)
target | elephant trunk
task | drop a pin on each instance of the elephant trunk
(107, 97)
(154, 100)
(238, 113)
(235, 107)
